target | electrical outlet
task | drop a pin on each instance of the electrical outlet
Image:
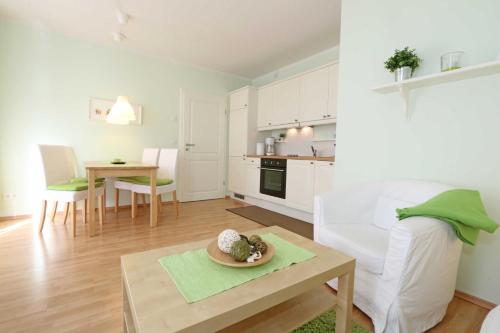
(9, 196)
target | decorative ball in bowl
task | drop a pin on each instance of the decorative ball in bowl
(235, 250)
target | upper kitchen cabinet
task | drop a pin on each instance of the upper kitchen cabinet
(314, 91)
(286, 102)
(305, 99)
(265, 106)
(333, 78)
(242, 122)
(239, 99)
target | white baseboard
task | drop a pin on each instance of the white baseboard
(295, 213)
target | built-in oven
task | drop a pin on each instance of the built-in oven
(273, 177)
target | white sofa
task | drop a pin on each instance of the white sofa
(405, 271)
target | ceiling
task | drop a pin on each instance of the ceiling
(242, 37)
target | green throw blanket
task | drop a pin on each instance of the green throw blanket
(463, 210)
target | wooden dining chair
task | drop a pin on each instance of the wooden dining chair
(61, 184)
(166, 181)
(149, 156)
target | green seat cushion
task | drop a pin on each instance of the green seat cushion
(85, 180)
(143, 180)
(72, 186)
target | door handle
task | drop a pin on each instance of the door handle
(190, 145)
(279, 170)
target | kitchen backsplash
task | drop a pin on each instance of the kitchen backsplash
(299, 140)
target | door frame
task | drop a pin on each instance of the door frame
(183, 94)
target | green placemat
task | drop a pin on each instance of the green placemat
(197, 277)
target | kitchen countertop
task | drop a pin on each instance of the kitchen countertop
(305, 158)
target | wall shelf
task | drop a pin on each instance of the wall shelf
(405, 87)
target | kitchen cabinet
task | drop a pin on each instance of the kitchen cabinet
(239, 99)
(300, 185)
(333, 76)
(252, 177)
(238, 132)
(323, 177)
(303, 100)
(236, 174)
(265, 106)
(314, 93)
(285, 102)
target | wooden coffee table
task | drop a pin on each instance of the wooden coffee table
(277, 302)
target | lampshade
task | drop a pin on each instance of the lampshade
(122, 112)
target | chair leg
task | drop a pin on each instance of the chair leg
(101, 213)
(85, 208)
(158, 206)
(176, 203)
(53, 212)
(73, 217)
(66, 210)
(143, 196)
(42, 215)
(117, 200)
(104, 201)
(134, 204)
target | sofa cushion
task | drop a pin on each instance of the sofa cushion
(385, 215)
(365, 242)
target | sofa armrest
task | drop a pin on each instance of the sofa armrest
(423, 255)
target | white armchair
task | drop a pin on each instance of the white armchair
(405, 271)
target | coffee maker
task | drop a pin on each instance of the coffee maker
(269, 149)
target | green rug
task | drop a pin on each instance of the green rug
(326, 324)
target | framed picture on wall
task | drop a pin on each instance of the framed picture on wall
(100, 108)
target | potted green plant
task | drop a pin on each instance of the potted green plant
(403, 63)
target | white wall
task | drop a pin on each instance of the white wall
(46, 82)
(300, 66)
(453, 136)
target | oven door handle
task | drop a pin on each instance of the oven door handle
(279, 170)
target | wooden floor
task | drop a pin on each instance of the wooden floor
(54, 283)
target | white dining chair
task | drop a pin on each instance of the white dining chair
(149, 156)
(61, 184)
(166, 181)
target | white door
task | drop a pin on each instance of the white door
(238, 128)
(333, 87)
(252, 176)
(202, 137)
(323, 177)
(236, 174)
(300, 184)
(286, 102)
(314, 95)
(265, 106)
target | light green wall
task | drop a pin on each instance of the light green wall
(46, 81)
(453, 136)
(300, 66)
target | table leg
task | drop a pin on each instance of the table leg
(153, 203)
(91, 198)
(344, 303)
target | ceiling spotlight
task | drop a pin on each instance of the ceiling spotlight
(118, 36)
(121, 17)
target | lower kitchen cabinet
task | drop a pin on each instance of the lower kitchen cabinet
(323, 177)
(236, 174)
(252, 177)
(300, 184)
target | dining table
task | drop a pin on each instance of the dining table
(107, 169)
